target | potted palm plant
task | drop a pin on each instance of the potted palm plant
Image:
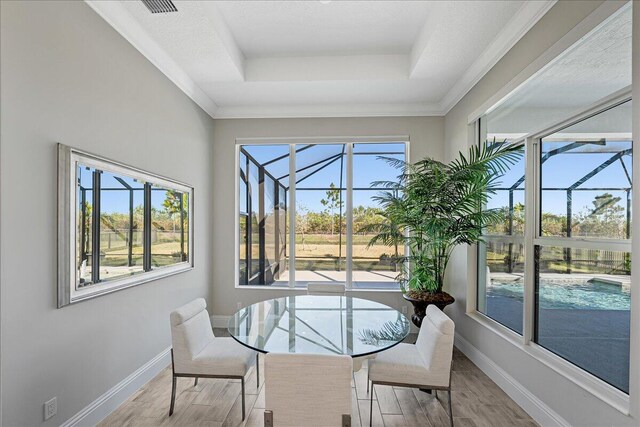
(439, 206)
(385, 232)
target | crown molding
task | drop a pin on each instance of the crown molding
(337, 110)
(118, 17)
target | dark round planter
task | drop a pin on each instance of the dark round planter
(440, 300)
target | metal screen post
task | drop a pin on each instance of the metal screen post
(130, 227)
(182, 254)
(340, 211)
(567, 251)
(83, 231)
(249, 231)
(95, 226)
(276, 217)
(292, 215)
(261, 227)
(147, 228)
(349, 214)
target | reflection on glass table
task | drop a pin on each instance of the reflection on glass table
(319, 325)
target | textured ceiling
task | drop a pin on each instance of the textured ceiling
(595, 67)
(289, 28)
(307, 58)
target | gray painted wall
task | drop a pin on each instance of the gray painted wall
(577, 406)
(426, 134)
(68, 77)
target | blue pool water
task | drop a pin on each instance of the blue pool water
(578, 296)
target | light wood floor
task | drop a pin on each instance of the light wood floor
(477, 401)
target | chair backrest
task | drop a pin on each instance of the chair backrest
(307, 389)
(326, 289)
(190, 330)
(435, 344)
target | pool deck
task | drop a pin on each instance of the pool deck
(595, 340)
(616, 280)
(378, 280)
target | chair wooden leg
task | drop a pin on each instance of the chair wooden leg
(242, 383)
(173, 395)
(257, 370)
(195, 383)
(450, 410)
(371, 406)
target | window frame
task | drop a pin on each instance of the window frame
(291, 200)
(68, 290)
(503, 238)
(532, 238)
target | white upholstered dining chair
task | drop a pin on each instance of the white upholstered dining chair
(197, 353)
(323, 288)
(307, 390)
(425, 364)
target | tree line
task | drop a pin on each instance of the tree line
(603, 218)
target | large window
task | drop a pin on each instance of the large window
(501, 276)
(582, 246)
(264, 182)
(556, 269)
(118, 226)
(307, 213)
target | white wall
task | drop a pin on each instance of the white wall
(68, 77)
(524, 120)
(571, 402)
(426, 135)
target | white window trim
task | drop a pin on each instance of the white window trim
(68, 291)
(589, 382)
(291, 142)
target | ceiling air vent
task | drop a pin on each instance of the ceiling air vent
(160, 6)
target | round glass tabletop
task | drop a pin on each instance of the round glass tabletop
(319, 325)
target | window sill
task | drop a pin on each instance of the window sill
(108, 287)
(595, 386)
(304, 289)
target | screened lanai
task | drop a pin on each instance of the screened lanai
(323, 249)
(580, 253)
(585, 192)
(134, 226)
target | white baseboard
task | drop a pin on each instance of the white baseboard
(220, 321)
(538, 410)
(100, 408)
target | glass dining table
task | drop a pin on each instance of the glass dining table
(310, 324)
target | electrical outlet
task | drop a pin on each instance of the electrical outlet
(50, 408)
(239, 306)
(404, 309)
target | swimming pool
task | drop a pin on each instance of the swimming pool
(575, 294)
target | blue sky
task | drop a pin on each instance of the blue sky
(118, 201)
(366, 169)
(559, 171)
(563, 170)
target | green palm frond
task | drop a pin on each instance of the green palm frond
(441, 205)
(390, 331)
